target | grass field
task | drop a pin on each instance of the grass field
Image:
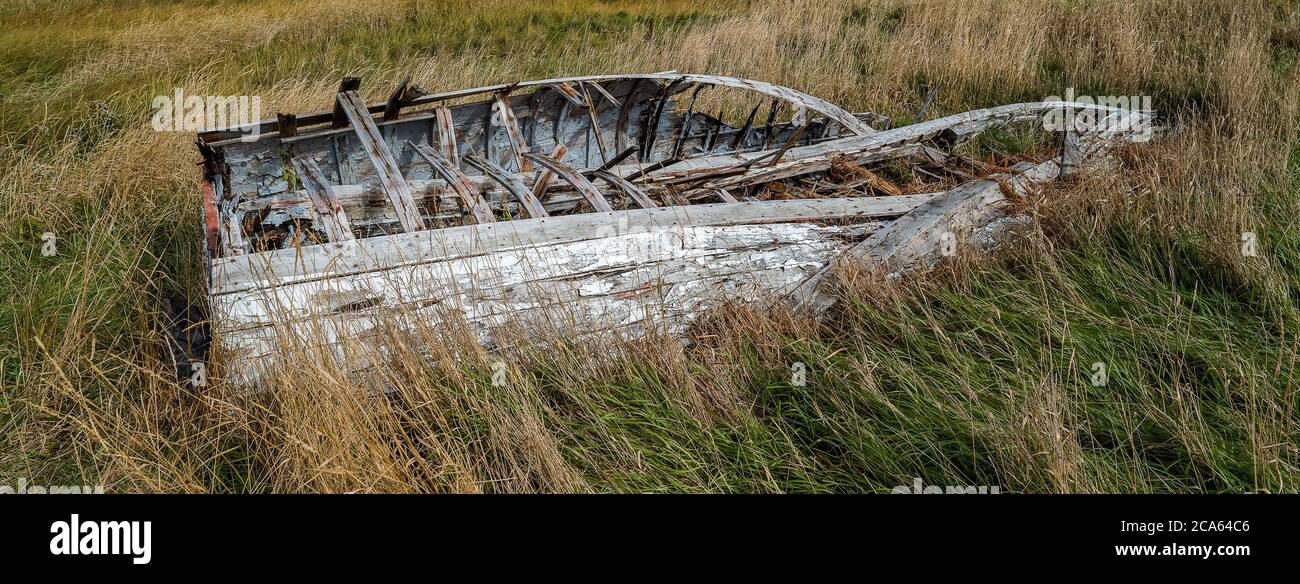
(978, 374)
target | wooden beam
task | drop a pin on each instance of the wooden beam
(511, 183)
(516, 136)
(574, 177)
(458, 182)
(333, 220)
(390, 176)
(914, 237)
(447, 136)
(288, 125)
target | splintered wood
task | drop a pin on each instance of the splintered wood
(592, 204)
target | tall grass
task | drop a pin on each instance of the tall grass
(978, 374)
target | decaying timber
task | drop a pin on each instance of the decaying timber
(605, 198)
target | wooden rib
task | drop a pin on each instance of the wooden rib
(511, 183)
(771, 117)
(393, 107)
(604, 92)
(618, 158)
(458, 182)
(390, 176)
(685, 127)
(567, 91)
(632, 191)
(544, 177)
(574, 177)
(335, 222)
(447, 136)
(338, 119)
(595, 127)
(776, 156)
(620, 129)
(648, 135)
(516, 136)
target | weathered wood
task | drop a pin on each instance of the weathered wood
(544, 175)
(657, 276)
(390, 176)
(338, 118)
(835, 113)
(294, 264)
(725, 196)
(603, 92)
(447, 136)
(393, 107)
(579, 268)
(916, 236)
(574, 177)
(685, 128)
(518, 146)
(737, 170)
(334, 221)
(511, 183)
(880, 145)
(458, 182)
(288, 124)
(620, 125)
(568, 91)
(632, 191)
(595, 127)
(649, 133)
(771, 119)
(617, 159)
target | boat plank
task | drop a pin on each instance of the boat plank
(390, 176)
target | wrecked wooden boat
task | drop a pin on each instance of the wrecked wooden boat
(612, 202)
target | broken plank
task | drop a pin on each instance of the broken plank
(511, 124)
(922, 231)
(544, 177)
(510, 183)
(334, 221)
(390, 176)
(458, 182)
